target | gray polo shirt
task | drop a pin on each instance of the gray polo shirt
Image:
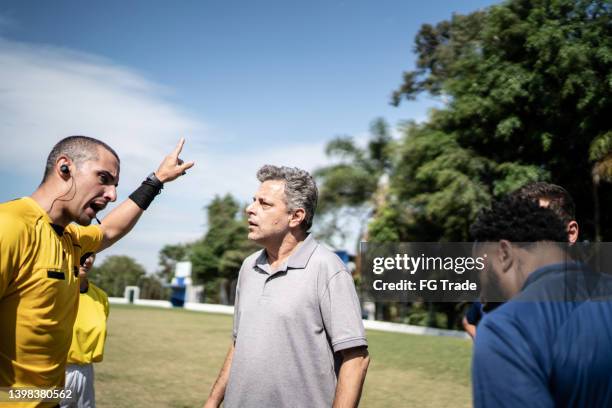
(288, 324)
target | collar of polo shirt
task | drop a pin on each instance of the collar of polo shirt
(297, 260)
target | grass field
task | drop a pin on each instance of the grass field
(170, 358)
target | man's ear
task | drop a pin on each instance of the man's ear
(296, 217)
(572, 231)
(63, 166)
(505, 255)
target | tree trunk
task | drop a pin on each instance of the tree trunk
(596, 214)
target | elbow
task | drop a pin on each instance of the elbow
(358, 359)
(362, 359)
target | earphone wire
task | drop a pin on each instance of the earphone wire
(65, 194)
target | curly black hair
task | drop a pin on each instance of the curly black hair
(518, 220)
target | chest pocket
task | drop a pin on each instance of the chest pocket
(57, 269)
(56, 274)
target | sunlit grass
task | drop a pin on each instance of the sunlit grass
(170, 358)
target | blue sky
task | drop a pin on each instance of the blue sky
(247, 83)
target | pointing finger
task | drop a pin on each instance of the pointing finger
(179, 147)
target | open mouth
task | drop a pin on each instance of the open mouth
(95, 206)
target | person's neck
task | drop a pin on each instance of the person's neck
(542, 255)
(279, 251)
(46, 196)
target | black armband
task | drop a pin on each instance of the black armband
(144, 195)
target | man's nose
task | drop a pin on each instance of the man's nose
(111, 193)
(250, 208)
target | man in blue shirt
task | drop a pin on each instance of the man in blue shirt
(550, 344)
(547, 195)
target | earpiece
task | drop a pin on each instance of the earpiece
(65, 170)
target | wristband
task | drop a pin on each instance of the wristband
(144, 195)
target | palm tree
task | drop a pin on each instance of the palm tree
(356, 182)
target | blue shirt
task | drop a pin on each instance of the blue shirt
(550, 345)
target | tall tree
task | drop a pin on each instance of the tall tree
(217, 257)
(526, 87)
(528, 91)
(169, 255)
(353, 184)
(601, 157)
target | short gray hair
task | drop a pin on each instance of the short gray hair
(300, 189)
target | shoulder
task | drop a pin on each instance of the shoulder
(15, 226)
(505, 321)
(11, 223)
(78, 231)
(16, 206)
(96, 292)
(326, 262)
(16, 214)
(97, 289)
(249, 261)
(529, 322)
(88, 238)
(503, 333)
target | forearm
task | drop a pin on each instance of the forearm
(218, 390)
(119, 222)
(351, 377)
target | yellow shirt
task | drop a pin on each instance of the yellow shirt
(39, 293)
(89, 331)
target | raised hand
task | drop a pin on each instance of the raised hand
(173, 166)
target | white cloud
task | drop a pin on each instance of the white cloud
(48, 93)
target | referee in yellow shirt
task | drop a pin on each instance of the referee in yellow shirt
(40, 249)
(88, 338)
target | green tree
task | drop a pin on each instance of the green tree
(528, 91)
(169, 255)
(115, 273)
(354, 184)
(217, 257)
(151, 287)
(601, 157)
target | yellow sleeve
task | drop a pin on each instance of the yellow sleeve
(89, 238)
(14, 240)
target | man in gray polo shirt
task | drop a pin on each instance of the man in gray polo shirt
(298, 336)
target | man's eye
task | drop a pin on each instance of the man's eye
(103, 179)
